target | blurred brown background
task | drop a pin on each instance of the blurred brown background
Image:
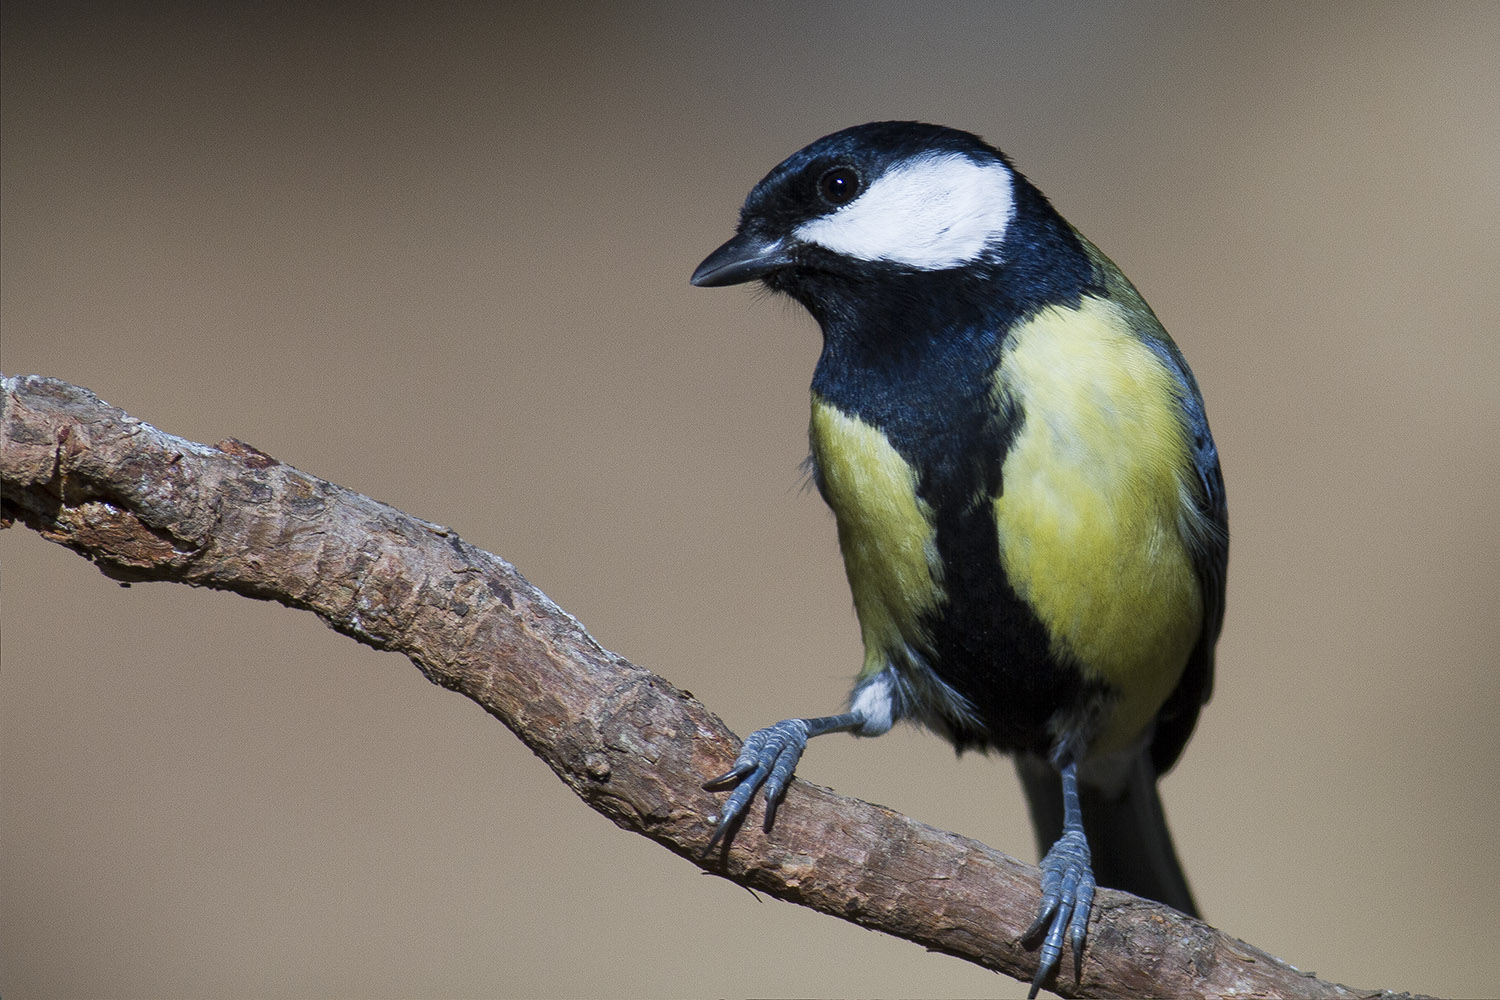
(441, 257)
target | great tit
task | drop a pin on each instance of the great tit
(1029, 501)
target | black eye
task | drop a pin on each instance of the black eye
(839, 185)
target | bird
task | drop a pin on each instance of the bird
(1028, 499)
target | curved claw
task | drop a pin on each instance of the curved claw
(1067, 897)
(768, 758)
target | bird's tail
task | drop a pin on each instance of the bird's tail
(1127, 830)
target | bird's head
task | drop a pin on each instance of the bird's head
(869, 203)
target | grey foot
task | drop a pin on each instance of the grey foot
(1067, 896)
(767, 759)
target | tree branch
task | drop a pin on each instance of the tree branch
(145, 505)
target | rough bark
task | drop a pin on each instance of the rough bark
(145, 505)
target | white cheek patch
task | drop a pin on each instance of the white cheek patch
(932, 213)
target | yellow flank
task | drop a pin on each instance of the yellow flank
(885, 531)
(1088, 517)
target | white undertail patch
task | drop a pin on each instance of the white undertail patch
(932, 213)
(874, 704)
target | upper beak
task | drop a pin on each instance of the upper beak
(744, 258)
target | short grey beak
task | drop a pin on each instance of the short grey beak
(742, 259)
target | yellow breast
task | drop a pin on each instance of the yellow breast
(885, 531)
(1093, 486)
